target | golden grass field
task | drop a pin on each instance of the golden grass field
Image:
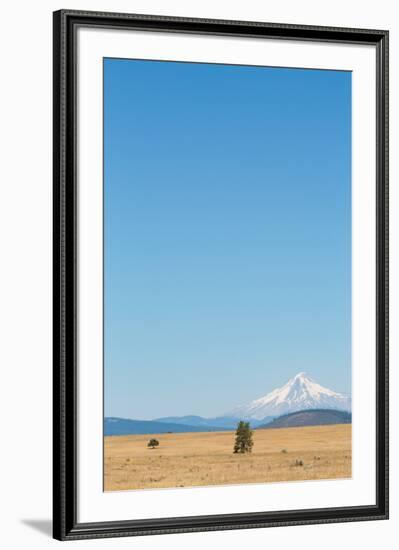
(206, 458)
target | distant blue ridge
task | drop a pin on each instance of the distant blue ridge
(174, 424)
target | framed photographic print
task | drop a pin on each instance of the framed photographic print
(220, 274)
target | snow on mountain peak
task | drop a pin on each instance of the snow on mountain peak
(300, 393)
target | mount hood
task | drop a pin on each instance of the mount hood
(299, 393)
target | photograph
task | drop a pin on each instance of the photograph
(227, 274)
(220, 266)
(196, 265)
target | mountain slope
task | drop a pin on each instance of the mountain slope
(313, 417)
(125, 426)
(299, 393)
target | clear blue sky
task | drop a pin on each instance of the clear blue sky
(227, 234)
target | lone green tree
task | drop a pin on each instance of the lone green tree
(153, 443)
(243, 442)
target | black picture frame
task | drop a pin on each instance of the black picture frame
(65, 335)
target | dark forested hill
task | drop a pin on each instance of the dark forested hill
(311, 417)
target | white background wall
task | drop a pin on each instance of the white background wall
(25, 271)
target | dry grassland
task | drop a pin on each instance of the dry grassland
(206, 458)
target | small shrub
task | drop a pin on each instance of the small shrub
(284, 451)
(153, 443)
(298, 462)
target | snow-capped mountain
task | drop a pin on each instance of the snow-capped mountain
(299, 393)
